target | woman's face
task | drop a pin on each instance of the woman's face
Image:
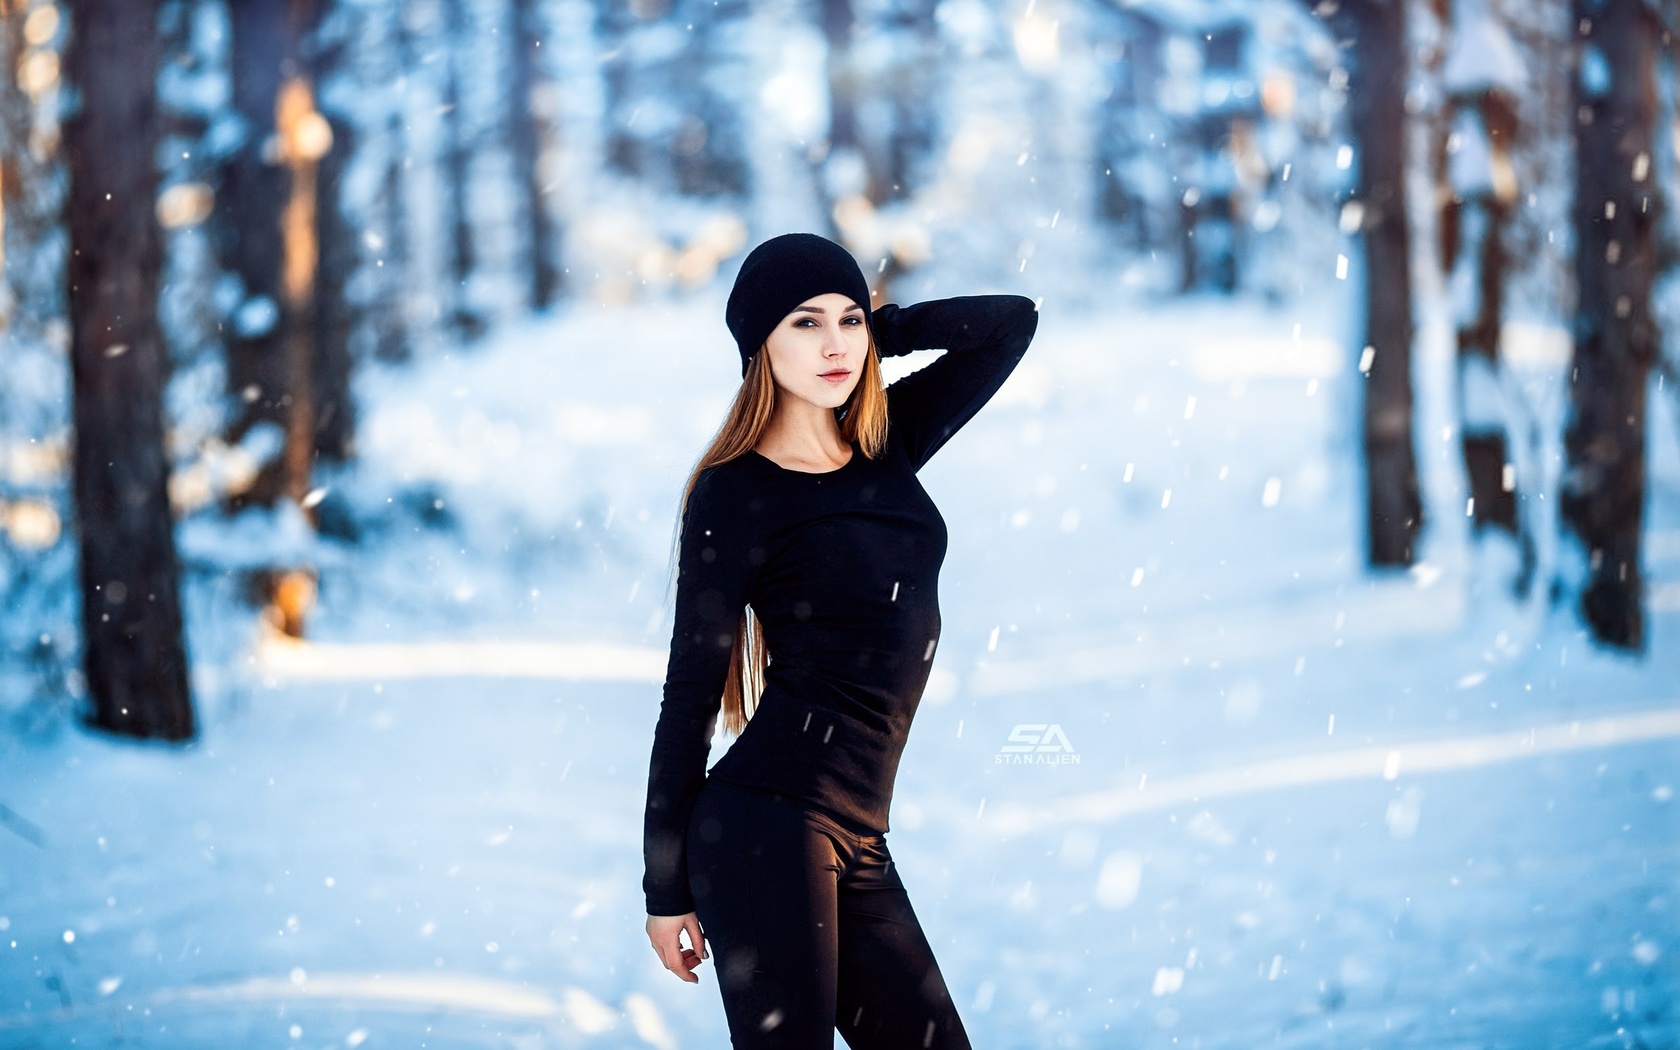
(817, 351)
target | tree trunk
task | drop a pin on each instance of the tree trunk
(29, 209)
(1485, 441)
(253, 192)
(270, 233)
(1377, 119)
(1474, 229)
(391, 311)
(299, 266)
(1476, 188)
(708, 152)
(893, 157)
(534, 123)
(134, 652)
(339, 242)
(335, 316)
(1615, 207)
(388, 308)
(464, 321)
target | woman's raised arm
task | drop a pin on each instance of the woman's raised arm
(984, 337)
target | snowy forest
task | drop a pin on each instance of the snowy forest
(1324, 548)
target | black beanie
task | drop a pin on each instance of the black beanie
(780, 274)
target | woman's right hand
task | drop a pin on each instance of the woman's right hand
(663, 931)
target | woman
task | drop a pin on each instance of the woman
(807, 575)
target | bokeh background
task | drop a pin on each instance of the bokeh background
(1312, 608)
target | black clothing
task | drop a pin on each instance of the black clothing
(780, 274)
(811, 929)
(841, 568)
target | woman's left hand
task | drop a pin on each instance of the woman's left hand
(664, 933)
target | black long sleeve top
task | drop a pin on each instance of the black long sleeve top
(841, 568)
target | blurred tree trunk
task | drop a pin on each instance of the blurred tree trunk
(466, 322)
(708, 151)
(288, 354)
(1375, 31)
(835, 17)
(134, 652)
(1615, 212)
(334, 430)
(1481, 223)
(534, 124)
(335, 316)
(388, 309)
(253, 192)
(299, 131)
(843, 159)
(269, 235)
(673, 111)
(391, 313)
(1211, 208)
(865, 165)
(1476, 185)
(33, 296)
(1126, 120)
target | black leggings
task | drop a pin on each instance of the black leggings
(810, 929)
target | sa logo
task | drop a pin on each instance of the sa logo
(1037, 736)
(1037, 744)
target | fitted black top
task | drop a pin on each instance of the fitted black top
(841, 568)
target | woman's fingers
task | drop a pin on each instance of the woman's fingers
(679, 960)
(686, 962)
(696, 937)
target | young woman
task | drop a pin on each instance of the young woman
(807, 577)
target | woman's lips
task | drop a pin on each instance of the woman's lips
(836, 377)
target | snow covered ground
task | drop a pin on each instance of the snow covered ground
(1297, 805)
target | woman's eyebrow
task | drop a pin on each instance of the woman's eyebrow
(820, 310)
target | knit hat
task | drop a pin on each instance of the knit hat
(780, 274)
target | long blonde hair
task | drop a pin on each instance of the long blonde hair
(863, 418)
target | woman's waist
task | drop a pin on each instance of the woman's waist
(814, 808)
(860, 684)
(808, 750)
